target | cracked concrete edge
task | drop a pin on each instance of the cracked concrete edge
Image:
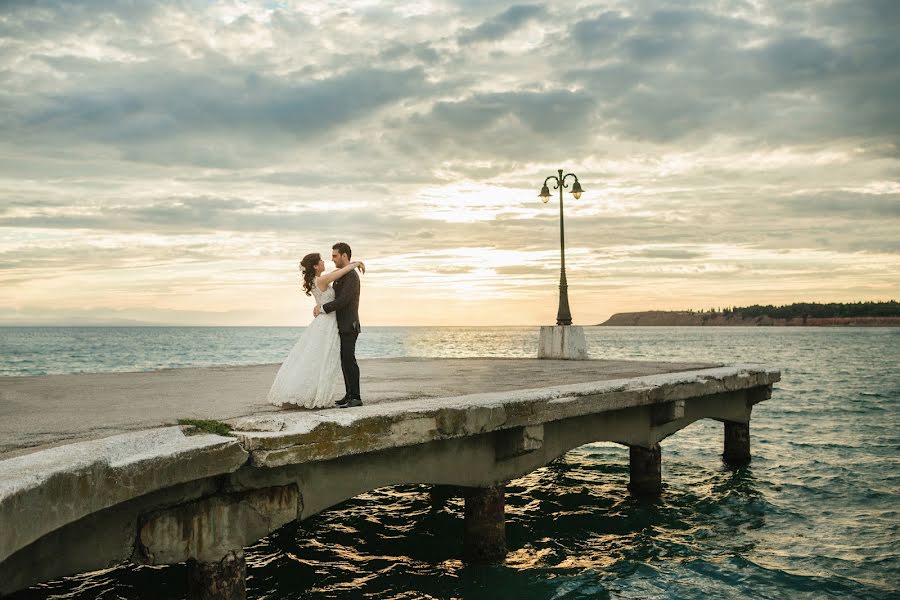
(43, 491)
(322, 435)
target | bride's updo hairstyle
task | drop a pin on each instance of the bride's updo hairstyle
(308, 267)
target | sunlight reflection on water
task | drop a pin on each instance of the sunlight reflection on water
(814, 514)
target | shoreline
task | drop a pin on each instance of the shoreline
(793, 325)
(692, 319)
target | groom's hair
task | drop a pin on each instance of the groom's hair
(343, 248)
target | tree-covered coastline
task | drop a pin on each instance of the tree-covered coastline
(890, 308)
(868, 313)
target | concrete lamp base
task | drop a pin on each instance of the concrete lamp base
(565, 342)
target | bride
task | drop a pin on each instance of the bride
(309, 376)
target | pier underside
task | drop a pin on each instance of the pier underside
(163, 497)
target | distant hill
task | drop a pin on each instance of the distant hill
(873, 314)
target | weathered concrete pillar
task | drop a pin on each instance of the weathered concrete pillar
(485, 526)
(737, 443)
(223, 580)
(562, 342)
(209, 535)
(645, 469)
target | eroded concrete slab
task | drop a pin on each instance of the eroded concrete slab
(205, 529)
(508, 416)
(303, 436)
(42, 491)
(40, 412)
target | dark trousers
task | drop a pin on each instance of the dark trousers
(348, 364)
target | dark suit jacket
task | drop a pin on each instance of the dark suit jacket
(346, 303)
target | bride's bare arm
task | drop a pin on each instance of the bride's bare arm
(326, 278)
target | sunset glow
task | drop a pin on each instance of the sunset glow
(173, 164)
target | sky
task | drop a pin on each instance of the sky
(171, 162)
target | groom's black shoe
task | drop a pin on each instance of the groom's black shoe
(343, 401)
(352, 402)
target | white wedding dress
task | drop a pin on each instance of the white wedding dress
(310, 376)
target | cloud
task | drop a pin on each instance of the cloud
(170, 117)
(847, 205)
(669, 75)
(204, 214)
(602, 32)
(668, 253)
(502, 25)
(548, 112)
(181, 146)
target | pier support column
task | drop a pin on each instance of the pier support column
(645, 469)
(440, 494)
(737, 443)
(485, 526)
(224, 580)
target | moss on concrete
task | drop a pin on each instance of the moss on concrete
(205, 426)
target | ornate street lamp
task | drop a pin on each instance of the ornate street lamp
(563, 315)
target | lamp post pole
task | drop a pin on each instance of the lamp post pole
(563, 315)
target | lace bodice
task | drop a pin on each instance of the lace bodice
(320, 296)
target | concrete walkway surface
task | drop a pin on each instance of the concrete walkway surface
(42, 412)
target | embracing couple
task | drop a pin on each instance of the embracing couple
(308, 377)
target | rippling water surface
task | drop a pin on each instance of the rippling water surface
(815, 514)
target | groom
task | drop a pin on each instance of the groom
(346, 304)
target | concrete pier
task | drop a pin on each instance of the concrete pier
(737, 443)
(485, 524)
(74, 498)
(41, 412)
(222, 580)
(645, 470)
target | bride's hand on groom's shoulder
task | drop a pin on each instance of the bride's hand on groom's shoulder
(361, 266)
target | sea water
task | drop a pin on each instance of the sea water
(816, 514)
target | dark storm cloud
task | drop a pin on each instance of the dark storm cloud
(667, 75)
(792, 61)
(502, 25)
(541, 112)
(38, 19)
(503, 126)
(161, 103)
(602, 32)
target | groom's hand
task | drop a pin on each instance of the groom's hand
(317, 310)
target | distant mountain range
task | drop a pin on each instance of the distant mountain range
(872, 314)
